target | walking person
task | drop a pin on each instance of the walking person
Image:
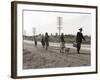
(79, 39)
(43, 41)
(46, 40)
(35, 41)
(62, 44)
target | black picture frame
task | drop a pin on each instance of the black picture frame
(14, 19)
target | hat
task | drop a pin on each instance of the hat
(81, 29)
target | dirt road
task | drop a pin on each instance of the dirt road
(38, 57)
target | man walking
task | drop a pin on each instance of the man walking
(43, 41)
(62, 44)
(79, 38)
(35, 41)
(46, 40)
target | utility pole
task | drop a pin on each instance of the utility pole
(34, 31)
(59, 22)
(35, 40)
(24, 33)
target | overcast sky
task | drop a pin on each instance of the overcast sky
(47, 22)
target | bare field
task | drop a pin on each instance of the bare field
(38, 57)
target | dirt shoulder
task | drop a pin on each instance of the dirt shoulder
(38, 57)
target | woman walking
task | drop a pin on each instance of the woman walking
(62, 44)
(35, 41)
(79, 39)
(43, 41)
(46, 40)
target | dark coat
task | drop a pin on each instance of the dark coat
(79, 37)
(47, 40)
(62, 38)
(42, 41)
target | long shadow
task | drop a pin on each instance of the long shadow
(74, 53)
(77, 53)
(25, 51)
(52, 51)
(85, 53)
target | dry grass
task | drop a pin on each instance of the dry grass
(38, 57)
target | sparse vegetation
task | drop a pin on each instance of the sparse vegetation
(69, 38)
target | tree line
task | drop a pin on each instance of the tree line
(69, 38)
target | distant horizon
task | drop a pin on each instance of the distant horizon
(58, 35)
